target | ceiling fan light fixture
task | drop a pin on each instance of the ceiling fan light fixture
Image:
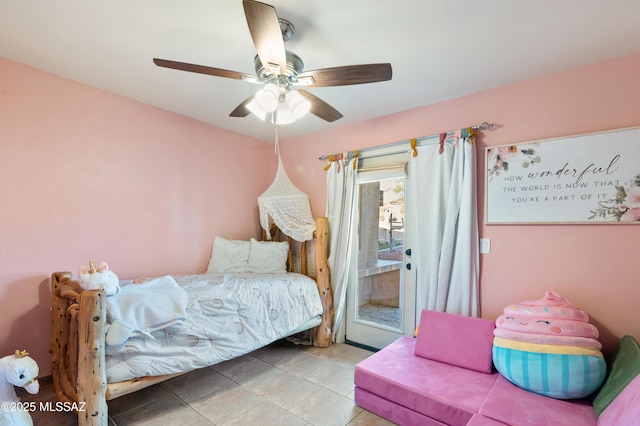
(256, 110)
(267, 97)
(297, 104)
(283, 114)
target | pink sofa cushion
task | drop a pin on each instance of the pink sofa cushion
(457, 340)
(479, 420)
(509, 404)
(442, 392)
(625, 408)
(392, 411)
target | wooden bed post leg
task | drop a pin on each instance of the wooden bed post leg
(323, 333)
(92, 376)
(59, 333)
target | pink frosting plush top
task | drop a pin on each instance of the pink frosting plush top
(552, 315)
(551, 306)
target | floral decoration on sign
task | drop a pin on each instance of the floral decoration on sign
(498, 159)
(624, 207)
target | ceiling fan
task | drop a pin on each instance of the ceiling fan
(281, 72)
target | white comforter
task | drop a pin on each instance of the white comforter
(227, 316)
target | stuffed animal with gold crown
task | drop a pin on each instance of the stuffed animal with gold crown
(16, 370)
(100, 278)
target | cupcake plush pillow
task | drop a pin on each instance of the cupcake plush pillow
(548, 347)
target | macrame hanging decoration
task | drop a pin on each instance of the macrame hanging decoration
(286, 206)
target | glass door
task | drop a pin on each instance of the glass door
(381, 291)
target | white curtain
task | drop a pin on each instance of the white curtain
(341, 215)
(444, 208)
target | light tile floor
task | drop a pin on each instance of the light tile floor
(281, 384)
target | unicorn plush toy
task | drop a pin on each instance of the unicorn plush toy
(16, 370)
(99, 278)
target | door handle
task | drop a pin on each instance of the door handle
(408, 266)
(408, 252)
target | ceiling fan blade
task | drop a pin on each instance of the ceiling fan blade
(202, 69)
(345, 75)
(242, 110)
(266, 34)
(320, 108)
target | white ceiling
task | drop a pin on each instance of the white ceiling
(439, 49)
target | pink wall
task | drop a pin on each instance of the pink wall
(90, 175)
(594, 266)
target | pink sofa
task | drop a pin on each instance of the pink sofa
(445, 377)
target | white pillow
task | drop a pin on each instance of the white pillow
(229, 256)
(268, 257)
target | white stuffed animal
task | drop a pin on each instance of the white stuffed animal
(101, 278)
(17, 370)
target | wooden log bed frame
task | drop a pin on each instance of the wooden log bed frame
(78, 365)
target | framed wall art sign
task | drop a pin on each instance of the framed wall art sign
(590, 178)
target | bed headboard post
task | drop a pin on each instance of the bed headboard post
(62, 355)
(323, 333)
(92, 377)
(78, 364)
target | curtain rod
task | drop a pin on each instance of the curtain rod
(482, 126)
